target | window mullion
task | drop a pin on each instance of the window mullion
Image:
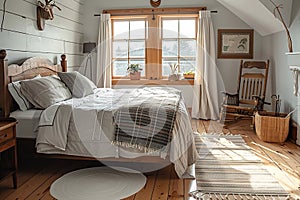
(128, 43)
(178, 43)
(153, 49)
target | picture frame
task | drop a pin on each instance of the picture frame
(235, 43)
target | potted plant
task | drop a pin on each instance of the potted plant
(134, 71)
(189, 75)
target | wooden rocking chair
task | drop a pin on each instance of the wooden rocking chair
(251, 91)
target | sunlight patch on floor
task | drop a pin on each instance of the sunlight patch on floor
(268, 149)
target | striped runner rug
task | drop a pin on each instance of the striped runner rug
(227, 169)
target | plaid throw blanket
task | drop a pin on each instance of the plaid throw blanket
(147, 121)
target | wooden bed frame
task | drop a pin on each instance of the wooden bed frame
(31, 68)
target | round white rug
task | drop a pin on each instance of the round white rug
(98, 183)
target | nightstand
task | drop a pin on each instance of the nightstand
(8, 149)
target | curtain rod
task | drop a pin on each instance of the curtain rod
(212, 11)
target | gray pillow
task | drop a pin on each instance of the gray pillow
(45, 91)
(79, 85)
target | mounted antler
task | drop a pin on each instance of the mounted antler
(45, 12)
(52, 5)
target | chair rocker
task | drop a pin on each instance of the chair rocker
(251, 91)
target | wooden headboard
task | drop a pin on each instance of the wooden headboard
(28, 69)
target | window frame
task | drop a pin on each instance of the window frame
(178, 38)
(154, 54)
(128, 58)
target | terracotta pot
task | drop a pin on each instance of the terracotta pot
(135, 76)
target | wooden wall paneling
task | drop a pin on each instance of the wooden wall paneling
(64, 34)
(17, 57)
(44, 44)
(69, 8)
(71, 5)
(74, 68)
(71, 13)
(81, 2)
(28, 10)
(12, 40)
(73, 48)
(28, 26)
(64, 23)
(20, 7)
(53, 32)
(74, 60)
(14, 22)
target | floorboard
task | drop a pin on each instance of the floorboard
(161, 187)
(147, 192)
(176, 189)
(282, 160)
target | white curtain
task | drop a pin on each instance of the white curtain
(104, 52)
(89, 67)
(205, 101)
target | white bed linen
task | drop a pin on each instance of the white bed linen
(28, 121)
(82, 140)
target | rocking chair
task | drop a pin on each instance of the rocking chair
(251, 91)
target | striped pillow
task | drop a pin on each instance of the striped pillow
(45, 91)
(14, 89)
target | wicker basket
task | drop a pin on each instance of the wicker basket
(271, 128)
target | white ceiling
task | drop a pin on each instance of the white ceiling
(255, 14)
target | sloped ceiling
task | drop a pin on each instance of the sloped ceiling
(258, 14)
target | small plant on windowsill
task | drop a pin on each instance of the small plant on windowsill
(134, 71)
(189, 74)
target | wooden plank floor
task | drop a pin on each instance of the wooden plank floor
(282, 160)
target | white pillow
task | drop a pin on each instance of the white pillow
(14, 89)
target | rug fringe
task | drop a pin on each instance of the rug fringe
(214, 134)
(203, 196)
(147, 150)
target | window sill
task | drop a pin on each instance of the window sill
(152, 82)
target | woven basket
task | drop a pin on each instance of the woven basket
(271, 128)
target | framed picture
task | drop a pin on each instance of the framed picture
(235, 43)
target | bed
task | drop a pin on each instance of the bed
(96, 125)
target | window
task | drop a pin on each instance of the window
(178, 44)
(129, 39)
(154, 44)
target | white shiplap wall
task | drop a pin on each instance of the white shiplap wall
(62, 35)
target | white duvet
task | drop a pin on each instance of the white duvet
(85, 127)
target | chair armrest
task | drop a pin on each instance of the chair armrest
(229, 94)
(230, 99)
(259, 102)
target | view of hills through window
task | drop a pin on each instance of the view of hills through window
(176, 44)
